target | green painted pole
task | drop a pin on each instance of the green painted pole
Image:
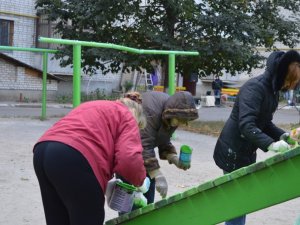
(76, 74)
(171, 74)
(114, 46)
(76, 84)
(13, 48)
(44, 89)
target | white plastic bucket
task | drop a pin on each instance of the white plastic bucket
(122, 197)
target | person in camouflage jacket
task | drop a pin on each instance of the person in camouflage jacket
(164, 114)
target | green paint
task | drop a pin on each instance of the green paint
(76, 75)
(44, 88)
(126, 186)
(12, 48)
(260, 185)
(77, 60)
(171, 80)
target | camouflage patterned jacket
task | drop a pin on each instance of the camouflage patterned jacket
(159, 108)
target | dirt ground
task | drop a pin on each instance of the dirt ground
(20, 200)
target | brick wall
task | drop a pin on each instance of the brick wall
(23, 13)
(15, 80)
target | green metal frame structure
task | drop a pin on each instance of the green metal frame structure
(45, 68)
(77, 63)
(243, 191)
(77, 60)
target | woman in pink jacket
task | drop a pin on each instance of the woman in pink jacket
(77, 156)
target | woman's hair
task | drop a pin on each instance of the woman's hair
(136, 110)
(293, 76)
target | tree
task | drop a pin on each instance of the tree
(224, 32)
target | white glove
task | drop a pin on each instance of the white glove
(279, 146)
(145, 186)
(139, 200)
(173, 159)
(160, 182)
(287, 138)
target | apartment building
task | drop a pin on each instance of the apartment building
(21, 71)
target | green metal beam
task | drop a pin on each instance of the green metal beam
(114, 46)
(243, 191)
(121, 48)
(13, 48)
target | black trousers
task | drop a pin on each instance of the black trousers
(70, 191)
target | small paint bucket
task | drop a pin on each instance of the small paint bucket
(185, 154)
(122, 197)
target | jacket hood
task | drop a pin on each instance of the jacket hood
(180, 105)
(277, 66)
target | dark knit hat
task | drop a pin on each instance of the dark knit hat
(180, 105)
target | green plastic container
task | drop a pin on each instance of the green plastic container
(185, 154)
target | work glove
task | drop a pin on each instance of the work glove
(279, 146)
(160, 182)
(145, 186)
(287, 138)
(295, 134)
(139, 200)
(173, 159)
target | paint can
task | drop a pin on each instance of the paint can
(122, 197)
(185, 154)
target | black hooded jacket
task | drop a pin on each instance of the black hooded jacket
(250, 126)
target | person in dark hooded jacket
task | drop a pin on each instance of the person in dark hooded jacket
(250, 126)
(164, 113)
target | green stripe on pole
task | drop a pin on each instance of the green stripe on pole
(114, 46)
(171, 74)
(76, 74)
(44, 88)
(77, 60)
(13, 48)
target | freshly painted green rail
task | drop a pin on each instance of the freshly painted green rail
(243, 191)
(77, 60)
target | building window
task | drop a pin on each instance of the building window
(6, 32)
(45, 28)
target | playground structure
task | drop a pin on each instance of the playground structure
(243, 191)
(77, 60)
(77, 63)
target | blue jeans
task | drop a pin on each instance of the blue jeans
(217, 94)
(150, 194)
(238, 220)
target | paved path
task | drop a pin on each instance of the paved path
(285, 115)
